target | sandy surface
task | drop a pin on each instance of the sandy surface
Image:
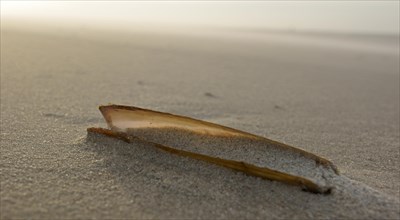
(337, 97)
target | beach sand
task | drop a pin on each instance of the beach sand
(337, 97)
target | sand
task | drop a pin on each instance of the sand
(340, 102)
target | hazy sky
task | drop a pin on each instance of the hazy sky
(343, 16)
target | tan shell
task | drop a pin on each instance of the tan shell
(127, 123)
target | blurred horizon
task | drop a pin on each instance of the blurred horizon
(355, 17)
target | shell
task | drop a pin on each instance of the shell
(219, 145)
